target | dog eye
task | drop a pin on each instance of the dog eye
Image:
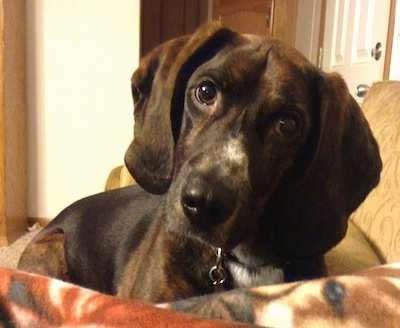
(206, 93)
(288, 125)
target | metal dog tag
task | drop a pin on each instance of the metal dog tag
(217, 273)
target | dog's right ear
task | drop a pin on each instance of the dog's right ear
(158, 87)
(149, 157)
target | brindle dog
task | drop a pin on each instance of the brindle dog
(249, 160)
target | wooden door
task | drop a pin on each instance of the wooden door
(162, 20)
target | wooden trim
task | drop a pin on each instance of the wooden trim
(13, 180)
(214, 10)
(3, 226)
(321, 34)
(285, 20)
(389, 41)
(16, 227)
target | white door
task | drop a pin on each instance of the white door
(355, 41)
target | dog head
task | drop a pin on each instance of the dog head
(259, 150)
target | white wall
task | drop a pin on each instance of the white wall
(395, 60)
(81, 54)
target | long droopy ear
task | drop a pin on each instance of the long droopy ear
(345, 167)
(347, 148)
(158, 87)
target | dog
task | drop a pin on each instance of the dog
(249, 161)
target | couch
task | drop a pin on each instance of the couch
(373, 235)
(374, 232)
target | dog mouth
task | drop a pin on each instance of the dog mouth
(214, 207)
(215, 235)
(217, 221)
(235, 223)
(225, 218)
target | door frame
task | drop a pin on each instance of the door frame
(389, 41)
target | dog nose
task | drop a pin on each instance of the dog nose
(207, 202)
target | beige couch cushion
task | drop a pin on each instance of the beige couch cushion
(352, 254)
(379, 216)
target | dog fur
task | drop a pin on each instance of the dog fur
(240, 144)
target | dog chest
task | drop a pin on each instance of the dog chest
(245, 277)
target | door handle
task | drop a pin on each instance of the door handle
(362, 90)
(377, 51)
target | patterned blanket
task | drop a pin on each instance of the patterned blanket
(368, 299)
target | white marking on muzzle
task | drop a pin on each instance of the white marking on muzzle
(233, 151)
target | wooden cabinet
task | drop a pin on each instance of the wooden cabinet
(253, 17)
(162, 20)
(13, 212)
(274, 18)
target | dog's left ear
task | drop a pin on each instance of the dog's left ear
(158, 87)
(346, 147)
(345, 166)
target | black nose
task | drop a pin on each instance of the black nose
(207, 202)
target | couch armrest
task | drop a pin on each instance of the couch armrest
(119, 177)
(379, 216)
